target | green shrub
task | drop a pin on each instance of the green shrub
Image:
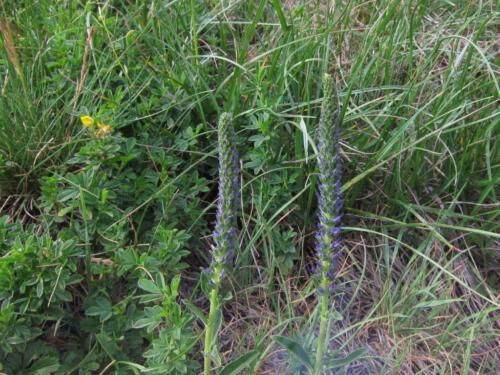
(73, 297)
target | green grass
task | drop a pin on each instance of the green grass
(418, 81)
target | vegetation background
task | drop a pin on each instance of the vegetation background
(102, 239)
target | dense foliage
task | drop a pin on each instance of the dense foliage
(109, 185)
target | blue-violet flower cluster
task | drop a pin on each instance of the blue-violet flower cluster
(225, 233)
(328, 240)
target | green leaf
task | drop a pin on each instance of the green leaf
(151, 320)
(336, 316)
(108, 345)
(342, 362)
(305, 136)
(205, 284)
(196, 311)
(65, 210)
(174, 285)
(235, 367)
(281, 15)
(435, 303)
(149, 286)
(215, 356)
(102, 309)
(296, 349)
(258, 139)
(217, 325)
(135, 366)
(39, 288)
(227, 297)
(67, 194)
(43, 366)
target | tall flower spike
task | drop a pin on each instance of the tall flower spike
(225, 233)
(330, 188)
(328, 240)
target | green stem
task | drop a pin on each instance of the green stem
(193, 29)
(88, 256)
(209, 330)
(322, 327)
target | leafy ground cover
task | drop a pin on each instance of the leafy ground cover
(103, 236)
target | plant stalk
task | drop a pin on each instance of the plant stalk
(209, 330)
(325, 298)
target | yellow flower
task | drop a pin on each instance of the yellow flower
(87, 121)
(104, 130)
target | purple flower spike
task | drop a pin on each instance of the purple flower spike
(225, 234)
(328, 240)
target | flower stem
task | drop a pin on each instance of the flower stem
(225, 233)
(209, 330)
(322, 327)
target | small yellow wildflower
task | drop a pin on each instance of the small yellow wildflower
(87, 121)
(104, 130)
